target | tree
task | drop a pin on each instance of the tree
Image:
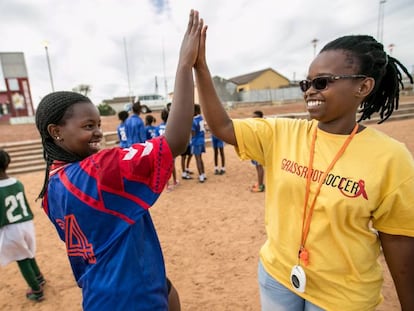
(106, 110)
(83, 89)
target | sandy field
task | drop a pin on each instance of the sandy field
(210, 233)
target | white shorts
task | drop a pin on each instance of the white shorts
(17, 242)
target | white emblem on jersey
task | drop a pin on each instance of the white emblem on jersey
(132, 152)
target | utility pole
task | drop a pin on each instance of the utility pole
(45, 43)
(380, 28)
(314, 43)
(163, 65)
(391, 48)
(127, 72)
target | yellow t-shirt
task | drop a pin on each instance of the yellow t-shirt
(372, 181)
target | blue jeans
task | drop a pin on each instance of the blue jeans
(276, 297)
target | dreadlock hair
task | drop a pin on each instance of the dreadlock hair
(55, 108)
(384, 69)
(4, 160)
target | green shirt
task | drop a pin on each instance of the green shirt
(13, 203)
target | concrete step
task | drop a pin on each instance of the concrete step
(24, 158)
(26, 169)
(35, 162)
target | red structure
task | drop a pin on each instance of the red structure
(15, 95)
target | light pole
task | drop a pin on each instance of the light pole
(380, 29)
(314, 42)
(127, 72)
(391, 47)
(45, 43)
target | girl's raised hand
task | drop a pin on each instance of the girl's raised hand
(191, 40)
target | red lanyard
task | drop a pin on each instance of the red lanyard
(303, 252)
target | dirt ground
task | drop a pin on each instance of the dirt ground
(210, 233)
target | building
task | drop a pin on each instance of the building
(260, 80)
(15, 95)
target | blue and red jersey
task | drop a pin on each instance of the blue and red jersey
(198, 131)
(99, 207)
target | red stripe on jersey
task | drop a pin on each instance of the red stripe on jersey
(91, 202)
(109, 179)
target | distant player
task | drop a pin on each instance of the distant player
(198, 142)
(150, 128)
(121, 130)
(17, 232)
(218, 148)
(160, 130)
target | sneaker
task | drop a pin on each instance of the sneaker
(189, 172)
(186, 176)
(202, 179)
(257, 188)
(40, 280)
(222, 171)
(216, 172)
(35, 295)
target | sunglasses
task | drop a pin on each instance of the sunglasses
(321, 83)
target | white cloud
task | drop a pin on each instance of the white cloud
(86, 38)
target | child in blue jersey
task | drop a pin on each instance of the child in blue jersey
(17, 232)
(160, 130)
(99, 200)
(121, 130)
(218, 148)
(135, 128)
(198, 143)
(150, 128)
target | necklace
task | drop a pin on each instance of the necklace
(298, 276)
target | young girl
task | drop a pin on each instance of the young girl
(218, 149)
(150, 128)
(17, 233)
(198, 143)
(99, 201)
(121, 130)
(160, 130)
(327, 181)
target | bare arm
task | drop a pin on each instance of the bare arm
(216, 116)
(399, 254)
(182, 109)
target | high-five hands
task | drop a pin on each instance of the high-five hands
(191, 41)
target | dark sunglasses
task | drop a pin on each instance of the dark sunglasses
(321, 83)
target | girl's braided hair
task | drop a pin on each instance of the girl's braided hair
(374, 62)
(55, 108)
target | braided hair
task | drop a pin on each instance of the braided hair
(384, 69)
(55, 108)
(4, 160)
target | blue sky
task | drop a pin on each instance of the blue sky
(88, 41)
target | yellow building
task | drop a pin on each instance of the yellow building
(260, 80)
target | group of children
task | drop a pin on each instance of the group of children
(196, 146)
